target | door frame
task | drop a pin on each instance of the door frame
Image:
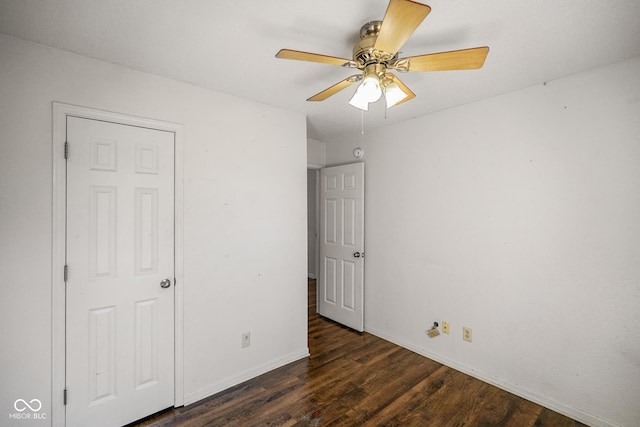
(58, 295)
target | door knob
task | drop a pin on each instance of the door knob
(165, 283)
(356, 254)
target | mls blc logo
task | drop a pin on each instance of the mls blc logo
(21, 405)
(27, 410)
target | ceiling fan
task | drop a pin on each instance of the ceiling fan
(377, 53)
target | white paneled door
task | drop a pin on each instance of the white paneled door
(341, 283)
(120, 284)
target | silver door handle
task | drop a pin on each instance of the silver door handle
(356, 254)
(165, 283)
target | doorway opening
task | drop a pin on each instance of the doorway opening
(313, 222)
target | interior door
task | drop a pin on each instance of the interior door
(120, 258)
(341, 284)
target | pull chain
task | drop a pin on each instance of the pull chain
(386, 106)
(362, 122)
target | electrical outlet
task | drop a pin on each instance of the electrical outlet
(245, 340)
(466, 334)
(445, 326)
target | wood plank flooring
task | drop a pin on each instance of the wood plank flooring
(354, 379)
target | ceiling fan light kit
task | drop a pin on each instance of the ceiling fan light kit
(375, 83)
(377, 53)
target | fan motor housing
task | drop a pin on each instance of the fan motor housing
(370, 29)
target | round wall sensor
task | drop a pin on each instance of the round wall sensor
(358, 152)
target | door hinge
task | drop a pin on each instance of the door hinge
(66, 272)
(66, 149)
(64, 396)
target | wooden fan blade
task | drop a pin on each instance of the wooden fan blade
(405, 89)
(400, 21)
(321, 96)
(311, 57)
(465, 59)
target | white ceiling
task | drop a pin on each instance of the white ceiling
(229, 46)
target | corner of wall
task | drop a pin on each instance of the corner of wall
(316, 153)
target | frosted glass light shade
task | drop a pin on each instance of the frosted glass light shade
(358, 101)
(368, 91)
(393, 94)
(370, 88)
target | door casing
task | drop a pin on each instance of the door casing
(58, 360)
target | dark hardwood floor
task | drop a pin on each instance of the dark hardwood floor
(354, 379)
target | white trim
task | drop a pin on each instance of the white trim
(179, 265)
(317, 225)
(244, 376)
(57, 268)
(60, 113)
(574, 413)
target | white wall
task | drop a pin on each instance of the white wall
(517, 216)
(316, 153)
(244, 218)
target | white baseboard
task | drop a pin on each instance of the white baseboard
(244, 376)
(574, 413)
